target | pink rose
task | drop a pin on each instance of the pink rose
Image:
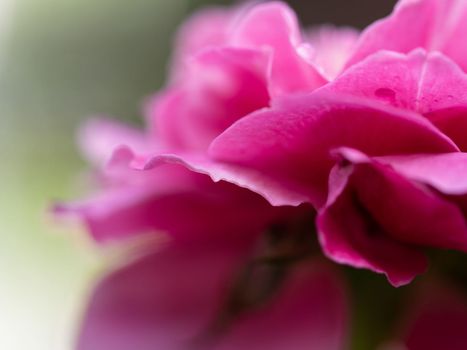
(161, 182)
(257, 130)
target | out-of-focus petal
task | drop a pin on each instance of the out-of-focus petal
(99, 137)
(163, 301)
(431, 24)
(173, 298)
(331, 47)
(220, 86)
(205, 29)
(291, 141)
(309, 313)
(439, 321)
(274, 27)
(169, 197)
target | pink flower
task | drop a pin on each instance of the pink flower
(211, 286)
(257, 130)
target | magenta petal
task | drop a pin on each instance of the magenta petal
(219, 86)
(409, 211)
(438, 321)
(348, 237)
(135, 205)
(274, 26)
(291, 141)
(430, 84)
(390, 33)
(419, 81)
(445, 98)
(430, 24)
(274, 191)
(391, 78)
(442, 86)
(171, 300)
(310, 312)
(164, 301)
(451, 42)
(112, 215)
(371, 204)
(99, 137)
(169, 198)
(444, 172)
(452, 122)
(205, 29)
(331, 47)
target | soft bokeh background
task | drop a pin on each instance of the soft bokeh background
(61, 61)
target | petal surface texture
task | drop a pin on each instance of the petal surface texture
(431, 24)
(292, 140)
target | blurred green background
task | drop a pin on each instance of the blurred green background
(60, 62)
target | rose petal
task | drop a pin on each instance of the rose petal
(99, 137)
(410, 213)
(309, 313)
(173, 199)
(291, 141)
(432, 24)
(163, 301)
(206, 28)
(332, 47)
(444, 172)
(439, 321)
(345, 236)
(274, 26)
(276, 194)
(430, 84)
(371, 206)
(171, 300)
(220, 86)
